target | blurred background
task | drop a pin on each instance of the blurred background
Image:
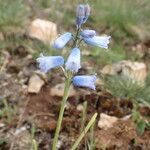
(126, 21)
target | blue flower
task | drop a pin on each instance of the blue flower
(100, 41)
(61, 41)
(73, 61)
(48, 62)
(88, 33)
(83, 12)
(85, 81)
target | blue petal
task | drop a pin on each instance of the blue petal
(88, 33)
(100, 41)
(48, 62)
(73, 61)
(61, 41)
(87, 12)
(85, 81)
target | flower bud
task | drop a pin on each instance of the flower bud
(88, 33)
(83, 12)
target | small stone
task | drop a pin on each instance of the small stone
(106, 121)
(2, 125)
(126, 117)
(18, 131)
(135, 70)
(23, 140)
(80, 107)
(35, 84)
(58, 90)
(43, 30)
(59, 144)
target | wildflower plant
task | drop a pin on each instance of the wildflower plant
(71, 66)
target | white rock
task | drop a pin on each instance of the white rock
(59, 144)
(43, 30)
(58, 90)
(18, 131)
(126, 117)
(137, 71)
(35, 84)
(80, 107)
(106, 121)
(22, 139)
(2, 125)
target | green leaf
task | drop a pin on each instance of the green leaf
(136, 116)
(141, 125)
(2, 141)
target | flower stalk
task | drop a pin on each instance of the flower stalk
(63, 103)
(76, 37)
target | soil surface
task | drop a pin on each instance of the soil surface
(41, 111)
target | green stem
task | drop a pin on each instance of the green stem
(84, 113)
(63, 103)
(34, 144)
(92, 141)
(76, 37)
(75, 145)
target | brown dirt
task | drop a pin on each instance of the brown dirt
(42, 110)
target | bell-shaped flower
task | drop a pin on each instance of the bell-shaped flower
(88, 33)
(73, 61)
(61, 41)
(100, 41)
(85, 81)
(48, 62)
